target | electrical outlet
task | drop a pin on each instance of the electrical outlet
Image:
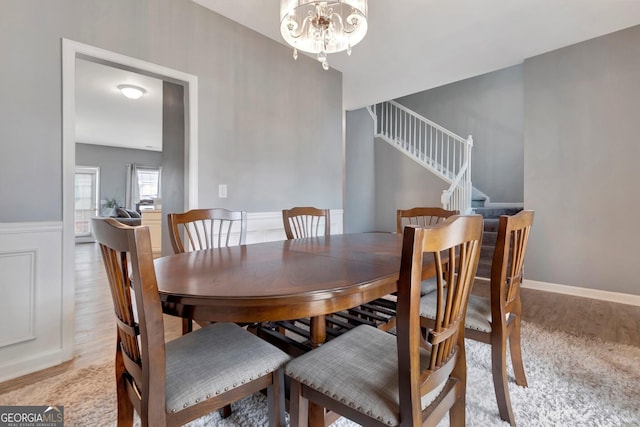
(222, 191)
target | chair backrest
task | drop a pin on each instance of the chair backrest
(454, 243)
(140, 351)
(508, 261)
(421, 216)
(206, 229)
(306, 222)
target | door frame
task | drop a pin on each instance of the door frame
(70, 51)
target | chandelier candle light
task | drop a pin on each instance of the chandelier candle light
(323, 27)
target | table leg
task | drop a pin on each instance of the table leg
(318, 336)
(318, 330)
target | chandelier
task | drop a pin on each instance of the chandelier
(323, 27)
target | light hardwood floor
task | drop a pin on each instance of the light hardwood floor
(95, 325)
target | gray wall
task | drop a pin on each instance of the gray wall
(581, 163)
(380, 180)
(359, 203)
(395, 171)
(113, 166)
(488, 107)
(173, 182)
(269, 127)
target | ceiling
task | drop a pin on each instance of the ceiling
(414, 45)
(410, 46)
(106, 117)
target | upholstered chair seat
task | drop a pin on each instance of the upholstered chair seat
(367, 359)
(199, 367)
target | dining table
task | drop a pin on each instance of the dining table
(282, 280)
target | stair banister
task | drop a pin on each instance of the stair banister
(435, 148)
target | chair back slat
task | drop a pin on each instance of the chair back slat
(459, 238)
(207, 229)
(117, 268)
(508, 258)
(302, 222)
(422, 217)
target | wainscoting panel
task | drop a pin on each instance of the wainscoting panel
(17, 313)
(268, 227)
(31, 303)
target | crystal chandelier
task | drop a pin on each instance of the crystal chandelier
(323, 27)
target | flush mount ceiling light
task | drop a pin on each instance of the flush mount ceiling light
(323, 27)
(131, 91)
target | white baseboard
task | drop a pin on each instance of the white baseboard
(598, 294)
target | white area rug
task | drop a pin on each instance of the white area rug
(573, 381)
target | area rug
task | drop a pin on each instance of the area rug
(573, 381)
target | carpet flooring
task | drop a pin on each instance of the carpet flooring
(573, 381)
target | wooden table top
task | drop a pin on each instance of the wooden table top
(280, 280)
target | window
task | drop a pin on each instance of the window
(148, 183)
(143, 183)
(86, 199)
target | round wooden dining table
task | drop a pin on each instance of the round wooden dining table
(281, 280)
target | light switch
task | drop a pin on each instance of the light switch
(222, 191)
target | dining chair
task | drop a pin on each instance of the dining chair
(409, 379)
(199, 229)
(173, 383)
(496, 320)
(422, 216)
(206, 229)
(302, 222)
(383, 310)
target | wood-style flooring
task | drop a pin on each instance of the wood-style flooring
(95, 325)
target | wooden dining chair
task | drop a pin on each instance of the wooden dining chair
(199, 229)
(422, 216)
(382, 311)
(207, 228)
(378, 379)
(496, 320)
(191, 376)
(302, 222)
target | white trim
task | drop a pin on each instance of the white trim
(29, 227)
(598, 294)
(70, 50)
(29, 364)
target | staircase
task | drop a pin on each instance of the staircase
(435, 148)
(491, 218)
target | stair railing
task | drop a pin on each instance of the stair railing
(437, 149)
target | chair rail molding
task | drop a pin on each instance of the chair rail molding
(31, 310)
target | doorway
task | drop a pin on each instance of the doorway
(71, 51)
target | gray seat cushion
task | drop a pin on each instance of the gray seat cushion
(478, 311)
(359, 369)
(428, 285)
(215, 359)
